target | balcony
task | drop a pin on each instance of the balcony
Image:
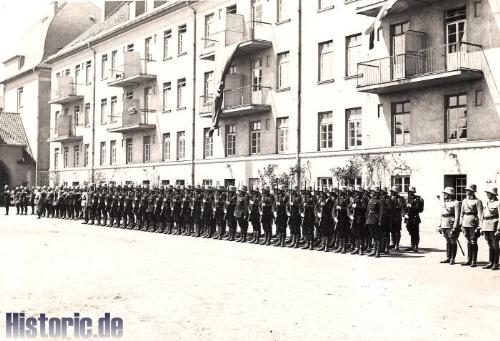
(132, 119)
(367, 7)
(133, 72)
(440, 65)
(253, 36)
(246, 100)
(65, 130)
(65, 92)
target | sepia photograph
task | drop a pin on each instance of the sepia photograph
(261, 170)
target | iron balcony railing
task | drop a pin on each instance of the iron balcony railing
(245, 96)
(133, 65)
(66, 87)
(237, 32)
(441, 59)
(65, 127)
(206, 104)
(132, 115)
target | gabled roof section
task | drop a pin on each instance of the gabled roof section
(12, 131)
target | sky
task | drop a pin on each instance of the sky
(17, 16)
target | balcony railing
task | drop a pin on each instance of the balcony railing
(246, 100)
(65, 130)
(254, 36)
(426, 67)
(132, 118)
(133, 71)
(66, 91)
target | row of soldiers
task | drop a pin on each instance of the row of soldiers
(345, 220)
(20, 197)
(475, 219)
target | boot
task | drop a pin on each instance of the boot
(292, 243)
(283, 239)
(475, 250)
(377, 249)
(323, 244)
(496, 256)
(256, 237)
(307, 244)
(297, 241)
(374, 250)
(448, 254)
(453, 254)
(491, 256)
(356, 247)
(469, 255)
(416, 248)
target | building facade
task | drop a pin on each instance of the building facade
(26, 81)
(406, 88)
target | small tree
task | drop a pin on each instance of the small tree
(351, 170)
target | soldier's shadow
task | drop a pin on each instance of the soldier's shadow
(404, 255)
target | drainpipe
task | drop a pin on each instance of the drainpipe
(193, 127)
(92, 170)
(299, 88)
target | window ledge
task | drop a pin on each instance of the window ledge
(166, 111)
(182, 54)
(181, 108)
(283, 89)
(352, 77)
(321, 10)
(328, 81)
(284, 21)
(168, 58)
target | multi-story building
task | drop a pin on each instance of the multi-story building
(26, 78)
(406, 86)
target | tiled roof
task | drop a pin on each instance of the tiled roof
(119, 16)
(12, 130)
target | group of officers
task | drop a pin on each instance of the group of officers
(342, 219)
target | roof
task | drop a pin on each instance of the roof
(12, 130)
(119, 16)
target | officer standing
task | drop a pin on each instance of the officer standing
(374, 219)
(281, 216)
(471, 215)
(308, 218)
(398, 205)
(414, 207)
(229, 209)
(357, 211)
(219, 214)
(489, 227)
(267, 215)
(450, 219)
(241, 213)
(7, 199)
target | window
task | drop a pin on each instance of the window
(458, 182)
(282, 132)
(354, 128)
(146, 148)
(88, 76)
(66, 72)
(208, 89)
(479, 98)
(167, 87)
(208, 144)
(86, 155)
(401, 123)
(148, 56)
(181, 87)
(103, 153)
(76, 110)
(167, 39)
(76, 156)
(257, 74)
(20, 101)
(165, 182)
(181, 43)
(209, 22)
(253, 183)
(456, 113)
(231, 9)
(283, 70)
(129, 95)
(257, 10)
(65, 157)
(128, 150)
(282, 11)
(325, 130)
(353, 53)
(325, 183)
(324, 4)
(112, 152)
(104, 66)
(77, 74)
(20, 62)
(255, 137)
(207, 182)
(112, 70)
(86, 114)
(56, 158)
(353, 182)
(180, 182)
(181, 145)
(402, 181)
(113, 109)
(104, 105)
(166, 146)
(325, 61)
(230, 140)
(56, 122)
(130, 47)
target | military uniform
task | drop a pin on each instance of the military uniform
(308, 219)
(471, 213)
(241, 213)
(267, 215)
(342, 222)
(357, 212)
(449, 226)
(489, 227)
(414, 206)
(374, 219)
(7, 199)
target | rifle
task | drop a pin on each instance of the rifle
(462, 250)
